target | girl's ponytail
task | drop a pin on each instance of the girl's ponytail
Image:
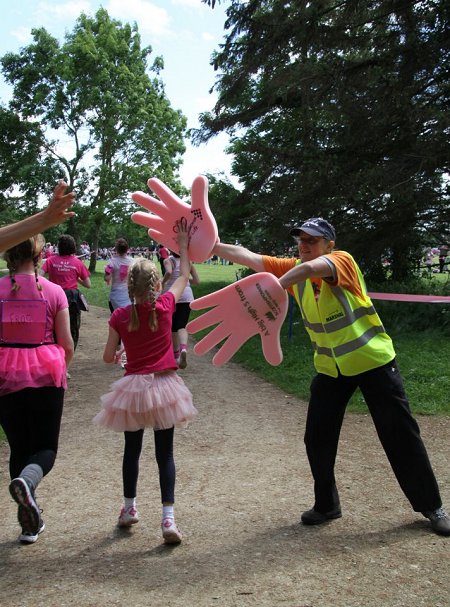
(143, 278)
(27, 250)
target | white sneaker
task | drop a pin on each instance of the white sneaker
(170, 532)
(182, 360)
(128, 516)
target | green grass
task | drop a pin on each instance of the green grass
(423, 356)
(423, 359)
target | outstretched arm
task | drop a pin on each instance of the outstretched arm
(240, 255)
(55, 213)
(316, 267)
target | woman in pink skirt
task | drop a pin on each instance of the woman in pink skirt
(35, 349)
(150, 394)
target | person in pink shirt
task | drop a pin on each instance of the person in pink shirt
(151, 394)
(67, 271)
(35, 349)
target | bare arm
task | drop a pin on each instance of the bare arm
(55, 213)
(86, 282)
(239, 255)
(63, 335)
(109, 353)
(315, 268)
(195, 278)
(168, 271)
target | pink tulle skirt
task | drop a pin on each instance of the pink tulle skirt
(32, 368)
(156, 400)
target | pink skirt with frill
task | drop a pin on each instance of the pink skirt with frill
(156, 400)
(32, 368)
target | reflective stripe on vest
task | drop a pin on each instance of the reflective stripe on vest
(335, 342)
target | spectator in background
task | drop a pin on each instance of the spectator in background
(66, 270)
(443, 252)
(116, 272)
(180, 317)
(429, 261)
(162, 253)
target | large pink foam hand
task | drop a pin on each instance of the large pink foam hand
(165, 212)
(252, 305)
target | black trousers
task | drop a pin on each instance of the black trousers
(31, 421)
(164, 459)
(397, 430)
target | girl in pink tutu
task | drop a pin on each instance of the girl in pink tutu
(35, 348)
(150, 394)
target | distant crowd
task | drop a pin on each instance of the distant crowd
(151, 252)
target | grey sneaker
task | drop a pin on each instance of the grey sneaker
(182, 360)
(440, 520)
(29, 513)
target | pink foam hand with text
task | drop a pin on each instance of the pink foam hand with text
(169, 208)
(253, 305)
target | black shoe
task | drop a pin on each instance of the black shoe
(440, 521)
(312, 517)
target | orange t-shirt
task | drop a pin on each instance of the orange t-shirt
(345, 275)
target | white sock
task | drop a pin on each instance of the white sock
(167, 512)
(129, 502)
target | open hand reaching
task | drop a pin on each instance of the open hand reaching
(252, 305)
(165, 212)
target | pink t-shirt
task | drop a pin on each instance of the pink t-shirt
(64, 270)
(27, 317)
(51, 294)
(147, 351)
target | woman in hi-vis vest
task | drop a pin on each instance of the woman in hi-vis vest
(351, 350)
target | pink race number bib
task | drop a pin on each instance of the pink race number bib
(23, 321)
(123, 272)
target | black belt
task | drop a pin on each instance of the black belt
(46, 343)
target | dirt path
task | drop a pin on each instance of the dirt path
(243, 481)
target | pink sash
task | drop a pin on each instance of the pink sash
(23, 321)
(123, 272)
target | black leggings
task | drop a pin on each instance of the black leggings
(180, 317)
(31, 420)
(75, 323)
(164, 459)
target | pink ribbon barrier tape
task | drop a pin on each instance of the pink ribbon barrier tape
(411, 297)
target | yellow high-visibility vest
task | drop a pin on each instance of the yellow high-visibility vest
(345, 330)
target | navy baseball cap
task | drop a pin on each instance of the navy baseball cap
(316, 226)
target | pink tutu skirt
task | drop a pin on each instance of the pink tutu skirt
(32, 368)
(156, 400)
